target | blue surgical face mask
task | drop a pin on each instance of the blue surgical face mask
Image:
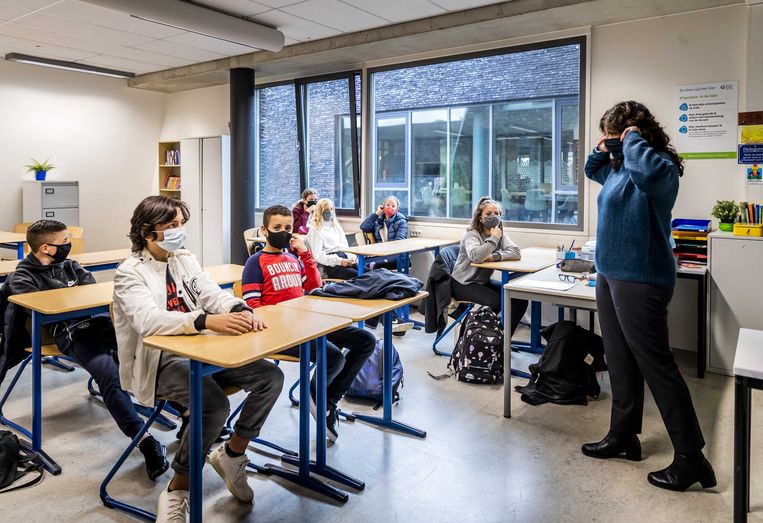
(328, 216)
(174, 239)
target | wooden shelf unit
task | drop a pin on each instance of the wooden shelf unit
(168, 169)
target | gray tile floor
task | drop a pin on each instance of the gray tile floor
(474, 465)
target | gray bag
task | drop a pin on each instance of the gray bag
(577, 265)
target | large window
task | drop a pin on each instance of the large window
(307, 131)
(504, 125)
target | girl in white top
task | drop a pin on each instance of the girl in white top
(325, 238)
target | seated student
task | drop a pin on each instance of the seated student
(273, 275)
(325, 238)
(89, 341)
(386, 224)
(302, 210)
(485, 241)
(160, 289)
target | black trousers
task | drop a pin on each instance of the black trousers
(491, 295)
(342, 369)
(340, 273)
(634, 325)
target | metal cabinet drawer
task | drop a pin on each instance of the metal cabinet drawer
(59, 195)
(68, 216)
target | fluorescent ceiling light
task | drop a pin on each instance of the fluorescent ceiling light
(68, 66)
(197, 19)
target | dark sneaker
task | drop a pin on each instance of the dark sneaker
(332, 432)
(155, 455)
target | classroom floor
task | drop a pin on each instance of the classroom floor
(474, 464)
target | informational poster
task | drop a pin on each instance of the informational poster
(754, 174)
(706, 120)
(751, 145)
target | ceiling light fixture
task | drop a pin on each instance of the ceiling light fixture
(69, 66)
(200, 20)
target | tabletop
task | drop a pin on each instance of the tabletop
(395, 247)
(99, 257)
(12, 237)
(235, 351)
(225, 274)
(354, 308)
(551, 274)
(748, 360)
(533, 259)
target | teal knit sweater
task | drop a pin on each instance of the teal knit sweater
(635, 204)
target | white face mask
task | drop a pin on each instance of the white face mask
(174, 239)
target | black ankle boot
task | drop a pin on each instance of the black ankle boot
(613, 445)
(684, 472)
(155, 455)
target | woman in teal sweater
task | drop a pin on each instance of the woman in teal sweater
(639, 170)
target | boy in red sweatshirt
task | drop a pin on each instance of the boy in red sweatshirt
(274, 275)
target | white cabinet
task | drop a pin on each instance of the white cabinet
(735, 295)
(57, 200)
(205, 174)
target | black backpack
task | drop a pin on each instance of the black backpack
(16, 462)
(478, 356)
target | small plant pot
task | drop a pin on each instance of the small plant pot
(724, 226)
(40, 175)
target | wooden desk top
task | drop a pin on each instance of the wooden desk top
(551, 274)
(353, 308)
(99, 257)
(58, 301)
(8, 266)
(533, 260)
(235, 351)
(225, 274)
(12, 237)
(397, 246)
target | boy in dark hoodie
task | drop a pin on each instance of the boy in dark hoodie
(91, 342)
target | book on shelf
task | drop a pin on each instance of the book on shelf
(173, 183)
(172, 157)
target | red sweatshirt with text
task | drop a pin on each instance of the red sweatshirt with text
(272, 277)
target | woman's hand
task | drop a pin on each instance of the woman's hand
(380, 210)
(627, 130)
(600, 146)
(496, 232)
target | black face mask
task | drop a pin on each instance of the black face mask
(310, 203)
(62, 252)
(280, 240)
(614, 146)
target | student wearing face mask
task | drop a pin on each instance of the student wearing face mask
(639, 169)
(325, 238)
(89, 341)
(161, 289)
(485, 241)
(386, 224)
(303, 209)
(272, 276)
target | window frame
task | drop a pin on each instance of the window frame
(301, 108)
(581, 41)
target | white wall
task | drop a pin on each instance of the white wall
(197, 113)
(94, 129)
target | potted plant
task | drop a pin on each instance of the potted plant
(726, 211)
(40, 169)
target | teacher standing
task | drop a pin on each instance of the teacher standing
(639, 170)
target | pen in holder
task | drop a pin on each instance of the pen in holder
(565, 255)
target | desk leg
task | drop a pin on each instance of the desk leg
(742, 397)
(407, 308)
(701, 325)
(535, 320)
(302, 477)
(506, 355)
(504, 299)
(319, 466)
(387, 420)
(361, 268)
(20, 250)
(196, 457)
(50, 465)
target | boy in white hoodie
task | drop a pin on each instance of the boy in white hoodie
(161, 289)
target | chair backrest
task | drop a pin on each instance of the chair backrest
(248, 234)
(78, 244)
(21, 228)
(237, 290)
(364, 238)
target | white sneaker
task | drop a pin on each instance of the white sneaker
(233, 472)
(398, 326)
(172, 507)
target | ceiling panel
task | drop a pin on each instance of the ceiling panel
(29, 4)
(208, 43)
(398, 10)
(21, 45)
(237, 7)
(336, 15)
(191, 54)
(459, 5)
(8, 12)
(78, 29)
(282, 3)
(121, 64)
(295, 27)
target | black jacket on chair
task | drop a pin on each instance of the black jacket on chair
(438, 287)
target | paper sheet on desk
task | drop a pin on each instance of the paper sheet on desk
(552, 285)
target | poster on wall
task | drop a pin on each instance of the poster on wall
(751, 146)
(706, 120)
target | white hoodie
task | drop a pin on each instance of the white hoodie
(140, 310)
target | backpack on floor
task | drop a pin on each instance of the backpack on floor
(369, 383)
(16, 462)
(478, 356)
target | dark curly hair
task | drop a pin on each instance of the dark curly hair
(151, 212)
(626, 114)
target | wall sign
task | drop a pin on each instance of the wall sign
(706, 120)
